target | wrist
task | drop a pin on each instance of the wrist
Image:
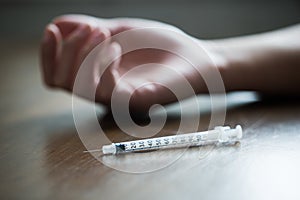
(221, 59)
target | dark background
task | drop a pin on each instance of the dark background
(203, 18)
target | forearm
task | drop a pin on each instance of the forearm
(268, 62)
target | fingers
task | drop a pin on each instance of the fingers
(90, 82)
(68, 23)
(95, 39)
(62, 53)
(49, 48)
(69, 54)
(110, 76)
(66, 27)
(67, 43)
(98, 36)
(70, 26)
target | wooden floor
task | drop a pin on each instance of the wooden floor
(42, 157)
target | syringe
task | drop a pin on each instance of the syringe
(219, 135)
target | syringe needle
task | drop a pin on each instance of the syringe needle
(219, 135)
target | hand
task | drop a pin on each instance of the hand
(69, 39)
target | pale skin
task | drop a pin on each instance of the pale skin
(268, 63)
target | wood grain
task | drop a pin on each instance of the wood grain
(42, 155)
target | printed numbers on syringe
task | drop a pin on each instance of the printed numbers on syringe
(220, 135)
(162, 142)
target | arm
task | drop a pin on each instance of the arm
(267, 63)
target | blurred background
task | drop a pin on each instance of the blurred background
(25, 19)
